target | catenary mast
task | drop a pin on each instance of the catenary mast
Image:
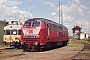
(59, 11)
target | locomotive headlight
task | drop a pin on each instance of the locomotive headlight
(37, 36)
(22, 43)
(36, 43)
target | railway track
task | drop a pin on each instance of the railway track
(84, 54)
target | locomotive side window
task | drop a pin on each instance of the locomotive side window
(50, 26)
(56, 26)
(35, 24)
(27, 24)
(59, 27)
(45, 24)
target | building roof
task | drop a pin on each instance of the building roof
(82, 33)
(13, 26)
(76, 27)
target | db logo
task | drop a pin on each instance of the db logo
(30, 31)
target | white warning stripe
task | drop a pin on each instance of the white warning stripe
(25, 32)
(35, 31)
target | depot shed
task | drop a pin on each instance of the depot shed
(2, 24)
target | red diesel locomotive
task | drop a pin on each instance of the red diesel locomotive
(40, 33)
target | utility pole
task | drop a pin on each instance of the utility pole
(59, 11)
(76, 21)
(61, 16)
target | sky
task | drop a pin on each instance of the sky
(74, 12)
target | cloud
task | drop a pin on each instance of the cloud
(12, 10)
(50, 4)
(10, 2)
(54, 17)
(67, 18)
(89, 12)
(31, 7)
(85, 26)
(75, 1)
(53, 14)
(73, 10)
(84, 7)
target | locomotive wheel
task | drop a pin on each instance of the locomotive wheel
(37, 48)
(65, 43)
(25, 47)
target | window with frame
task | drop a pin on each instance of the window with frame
(50, 25)
(7, 32)
(19, 32)
(13, 32)
(45, 24)
(27, 24)
(36, 24)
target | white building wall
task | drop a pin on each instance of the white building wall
(82, 35)
(75, 36)
(87, 35)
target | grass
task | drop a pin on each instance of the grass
(3, 46)
(9, 51)
(77, 43)
(85, 51)
(74, 43)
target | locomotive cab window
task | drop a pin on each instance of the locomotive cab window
(19, 32)
(36, 24)
(27, 24)
(13, 32)
(7, 32)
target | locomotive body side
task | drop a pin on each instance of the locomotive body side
(45, 34)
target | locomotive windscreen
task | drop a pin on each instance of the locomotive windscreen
(27, 24)
(12, 32)
(6, 32)
(32, 24)
(35, 24)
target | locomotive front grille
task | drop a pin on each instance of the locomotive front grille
(30, 36)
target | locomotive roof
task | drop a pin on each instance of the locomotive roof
(47, 20)
(43, 19)
(13, 26)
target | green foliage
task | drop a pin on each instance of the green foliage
(85, 39)
(75, 43)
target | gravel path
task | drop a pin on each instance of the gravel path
(64, 53)
(84, 54)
